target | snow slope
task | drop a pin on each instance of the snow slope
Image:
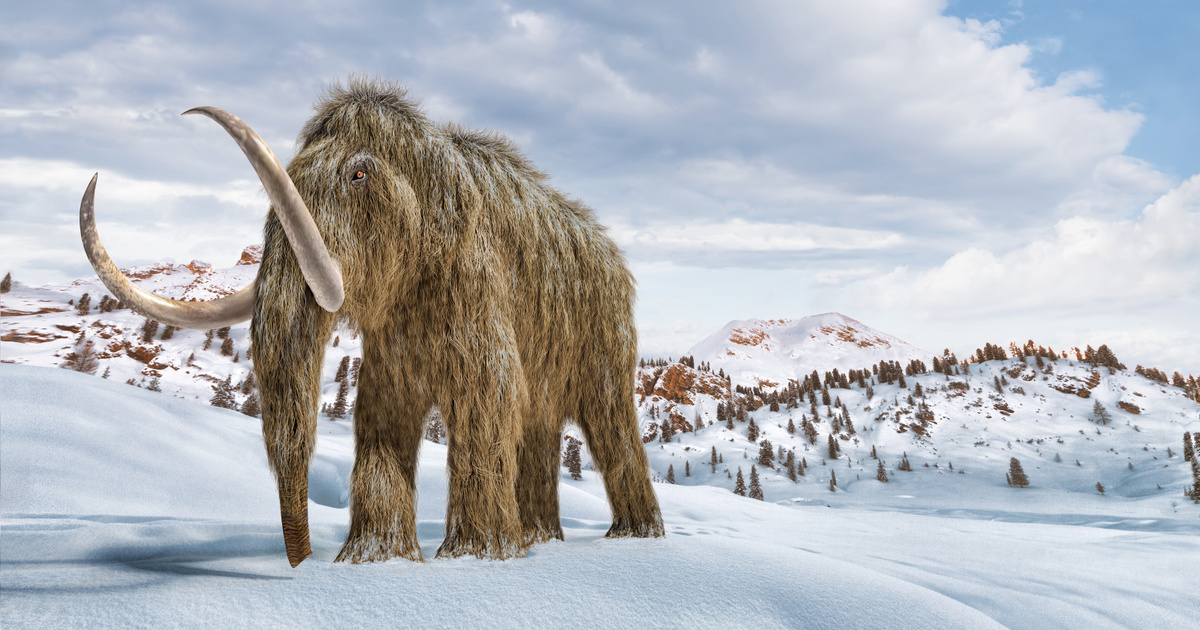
(128, 508)
(769, 352)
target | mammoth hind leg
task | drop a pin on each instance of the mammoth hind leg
(537, 483)
(388, 428)
(611, 430)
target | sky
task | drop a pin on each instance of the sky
(951, 173)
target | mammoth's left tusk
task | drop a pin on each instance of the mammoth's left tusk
(218, 313)
(321, 271)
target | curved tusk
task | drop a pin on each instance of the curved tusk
(321, 271)
(218, 313)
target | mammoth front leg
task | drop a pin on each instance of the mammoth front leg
(388, 428)
(482, 412)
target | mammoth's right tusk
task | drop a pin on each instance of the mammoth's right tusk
(218, 313)
(321, 271)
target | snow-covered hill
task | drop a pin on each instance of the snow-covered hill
(128, 508)
(769, 353)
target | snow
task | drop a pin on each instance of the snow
(756, 350)
(122, 507)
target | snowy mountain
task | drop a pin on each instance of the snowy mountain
(769, 353)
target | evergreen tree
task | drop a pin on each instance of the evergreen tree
(791, 465)
(339, 404)
(713, 461)
(832, 481)
(766, 454)
(1099, 487)
(251, 407)
(791, 428)
(343, 370)
(752, 431)
(833, 447)
(6, 283)
(149, 329)
(810, 431)
(84, 306)
(223, 395)
(572, 459)
(155, 385)
(355, 368)
(208, 337)
(739, 486)
(671, 473)
(1100, 414)
(905, 465)
(435, 431)
(880, 473)
(223, 333)
(107, 371)
(668, 429)
(1016, 474)
(227, 347)
(1188, 452)
(84, 358)
(873, 454)
(1196, 479)
(687, 468)
(755, 489)
(168, 332)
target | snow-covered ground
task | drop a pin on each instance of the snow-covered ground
(121, 507)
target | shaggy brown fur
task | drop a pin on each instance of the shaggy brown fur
(477, 288)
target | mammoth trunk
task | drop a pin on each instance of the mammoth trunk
(289, 332)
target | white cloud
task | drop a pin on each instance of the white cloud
(1088, 264)
(743, 236)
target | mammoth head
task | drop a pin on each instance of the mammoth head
(321, 272)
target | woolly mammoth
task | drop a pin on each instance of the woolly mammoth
(476, 286)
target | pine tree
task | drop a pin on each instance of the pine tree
(223, 395)
(155, 385)
(739, 487)
(1099, 487)
(752, 431)
(766, 454)
(343, 370)
(251, 407)
(83, 359)
(880, 473)
(832, 480)
(1016, 474)
(168, 332)
(223, 333)
(149, 329)
(905, 465)
(1196, 479)
(791, 428)
(1100, 414)
(668, 429)
(755, 489)
(339, 404)
(227, 347)
(107, 371)
(713, 461)
(435, 431)
(833, 447)
(873, 454)
(6, 283)
(1188, 452)
(572, 458)
(208, 337)
(84, 306)
(687, 468)
(355, 368)
(791, 465)
(671, 473)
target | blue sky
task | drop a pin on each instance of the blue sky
(952, 174)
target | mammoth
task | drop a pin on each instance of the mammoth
(476, 287)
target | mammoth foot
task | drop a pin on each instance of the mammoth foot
(379, 549)
(486, 546)
(542, 532)
(628, 528)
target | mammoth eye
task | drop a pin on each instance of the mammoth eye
(358, 176)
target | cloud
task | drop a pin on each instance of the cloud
(1088, 264)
